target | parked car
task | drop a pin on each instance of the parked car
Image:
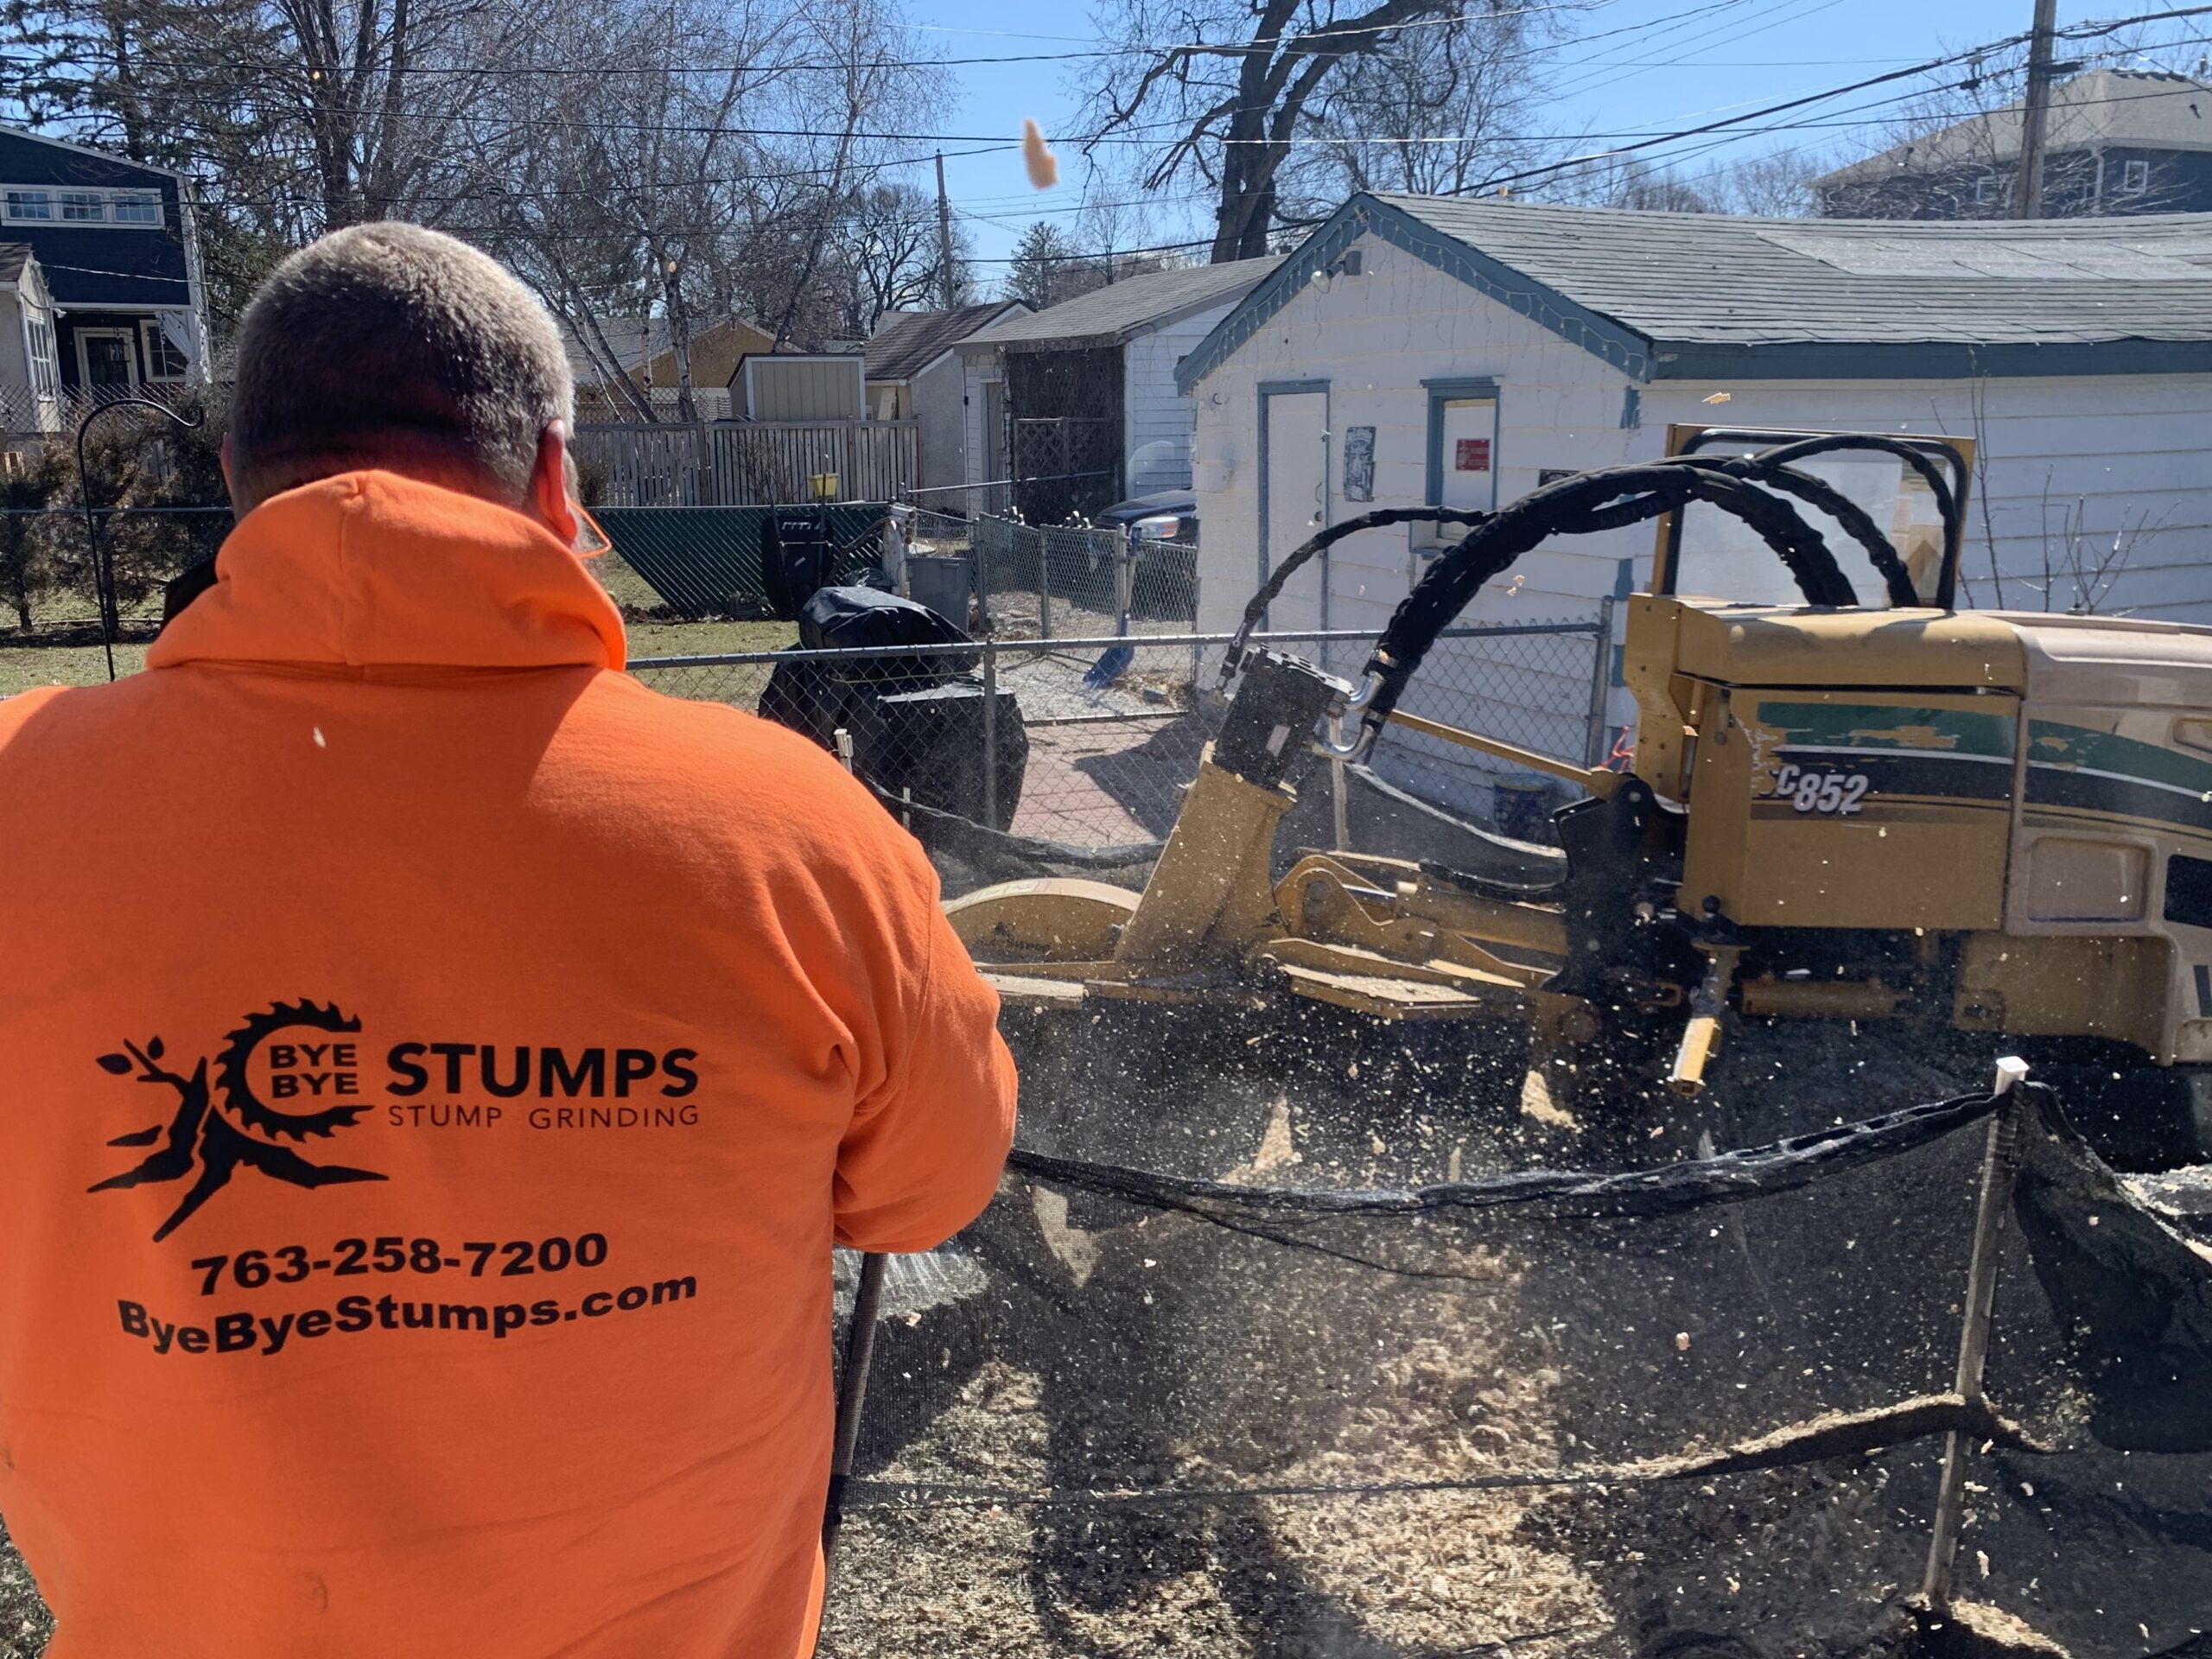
(1164, 584)
(1162, 516)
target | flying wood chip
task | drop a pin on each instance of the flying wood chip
(1036, 156)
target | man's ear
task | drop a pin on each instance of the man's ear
(548, 484)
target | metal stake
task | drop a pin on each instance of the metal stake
(103, 572)
(991, 733)
(1125, 580)
(1601, 680)
(1339, 806)
(1044, 584)
(2000, 1169)
(852, 1400)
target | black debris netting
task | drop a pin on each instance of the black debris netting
(1291, 1354)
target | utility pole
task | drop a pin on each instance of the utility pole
(2035, 115)
(943, 233)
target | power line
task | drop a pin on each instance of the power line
(1722, 132)
(1214, 48)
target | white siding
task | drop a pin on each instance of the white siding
(977, 371)
(2066, 467)
(1158, 420)
(2119, 456)
(937, 391)
(1374, 338)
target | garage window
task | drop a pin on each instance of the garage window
(1462, 454)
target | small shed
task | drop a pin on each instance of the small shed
(914, 372)
(1432, 350)
(1077, 403)
(799, 386)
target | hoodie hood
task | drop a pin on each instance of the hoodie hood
(370, 569)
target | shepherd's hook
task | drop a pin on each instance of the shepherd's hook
(103, 576)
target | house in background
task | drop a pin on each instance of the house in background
(646, 350)
(1078, 402)
(914, 372)
(116, 244)
(1419, 350)
(30, 377)
(2122, 140)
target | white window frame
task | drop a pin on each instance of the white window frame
(109, 197)
(129, 351)
(38, 352)
(2135, 178)
(1984, 188)
(150, 333)
(82, 206)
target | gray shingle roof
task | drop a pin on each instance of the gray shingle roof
(1706, 278)
(909, 341)
(1122, 310)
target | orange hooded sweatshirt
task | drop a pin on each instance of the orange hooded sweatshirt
(433, 1071)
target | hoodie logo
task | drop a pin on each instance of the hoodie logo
(220, 1127)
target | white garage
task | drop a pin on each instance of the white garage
(1427, 350)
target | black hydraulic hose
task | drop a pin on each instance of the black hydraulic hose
(1818, 493)
(1947, 505)
(1586, 499)
(1271, 590)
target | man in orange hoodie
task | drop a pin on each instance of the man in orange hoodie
(434, 1068)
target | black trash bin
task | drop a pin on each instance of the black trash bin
(796, 553)
(930, 746)
(916, 721)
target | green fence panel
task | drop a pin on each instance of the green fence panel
(705, 562)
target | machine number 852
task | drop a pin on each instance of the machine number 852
(1810, 790)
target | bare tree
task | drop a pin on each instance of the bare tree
(887, 240)
(1615, 180)
(714, 171)
(1431, 110)
(1776, 185)
(1235, 85)
(298, 115)
(612, 207)
(2081, 565)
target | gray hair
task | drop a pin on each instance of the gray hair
(386, 343)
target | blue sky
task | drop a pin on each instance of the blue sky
(1655, 70)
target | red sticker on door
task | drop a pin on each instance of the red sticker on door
(1471, 456)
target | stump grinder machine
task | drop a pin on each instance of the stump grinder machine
(1848, 799)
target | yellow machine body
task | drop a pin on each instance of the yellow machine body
(1984, 821)
(2031, 792)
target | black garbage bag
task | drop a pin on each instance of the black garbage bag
(844, 619)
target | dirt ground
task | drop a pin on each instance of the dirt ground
(1113, 1351)
(1119, 1352)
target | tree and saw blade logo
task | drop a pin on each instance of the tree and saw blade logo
(218, 1128)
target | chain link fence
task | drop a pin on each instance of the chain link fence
(1046, 581)
(1089, 742)
(50, 580)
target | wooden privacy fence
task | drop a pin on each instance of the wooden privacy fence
(749, 463)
